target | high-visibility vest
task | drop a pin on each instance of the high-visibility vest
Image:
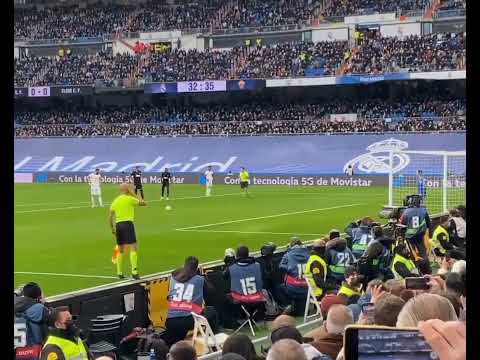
(70, 350)
(317, 292)
(348, 291)
(439, 230)
(407, 262)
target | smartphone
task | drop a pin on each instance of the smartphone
(417, 283)
(368, 311)
(380, 343)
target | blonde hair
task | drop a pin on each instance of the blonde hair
(425, 307)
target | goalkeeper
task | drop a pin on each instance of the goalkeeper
(417, 220)
(421, 185)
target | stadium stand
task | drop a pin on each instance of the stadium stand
(438, 52)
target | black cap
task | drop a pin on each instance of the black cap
(32, 290)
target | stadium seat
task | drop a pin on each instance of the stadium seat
(204, 336)
(105, 333)
(311, 300)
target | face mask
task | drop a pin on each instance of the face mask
(71, 329)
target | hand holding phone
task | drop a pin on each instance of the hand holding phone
(448, 339)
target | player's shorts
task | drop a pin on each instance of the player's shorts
(243, 184)
(95, 190)
(138, 186)
(209, 183)
(125, 231)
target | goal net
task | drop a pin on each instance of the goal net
(437, 176)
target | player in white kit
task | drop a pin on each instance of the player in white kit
(209, 183)
(94, 179)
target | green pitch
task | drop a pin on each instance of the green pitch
(65, 245)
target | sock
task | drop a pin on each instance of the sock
(120, 264)
(100, 201)
(93, 200)
(133, 261)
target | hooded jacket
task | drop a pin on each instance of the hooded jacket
(35, 315)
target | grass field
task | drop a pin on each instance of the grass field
(65, 245)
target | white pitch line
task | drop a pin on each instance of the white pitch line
(251, 232)
(66, 275)
(267, 217)
(148, 201)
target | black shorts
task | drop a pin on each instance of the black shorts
(243, 184)
(138, 187)
(125, 231)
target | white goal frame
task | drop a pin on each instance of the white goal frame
(445, 155)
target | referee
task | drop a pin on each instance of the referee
(122, 212)
(137, 180)
(166, 178)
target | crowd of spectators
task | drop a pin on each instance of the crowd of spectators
(431, 52)
(336, 8)
(414, 107)
(67, 22)
(276, 127)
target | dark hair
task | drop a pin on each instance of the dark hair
(242, 252)
(32, 290)
(387, 310)
(183, 350)
(333, 234)
(406, 294)
(188, 271)
(366, 221)
(463, 210)
(286, 332)
(377, 231)
(240, 344)
(454, 282)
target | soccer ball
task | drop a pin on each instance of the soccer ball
(168, 208)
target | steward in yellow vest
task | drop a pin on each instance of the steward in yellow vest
(351, 288)
(316, 269)
(441, 238)
(63, 343)
(402, 265)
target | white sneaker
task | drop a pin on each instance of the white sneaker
(167, 198)
(161, 198)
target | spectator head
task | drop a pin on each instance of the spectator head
(402, 250)
(454, 212)
(328, 301)
(232, 356)
(407, 294)
(366, 221)
(454, 283)
(338, 318)
(387, 310)
(61, 317)
(318, 246)
(268, 249)
(105, 357)
(394, 287)
(462, 210)
(240, 344)
(283, 320)
(229, 258)
(352, 277)
(33, 291)
(377, 232)
(453, 298)
(375, 282)
(286, 332)
(286, 349)
(460, 267)
(295, 241)
(182, 350)
(425, 307)
(333, 234)
(242, 252)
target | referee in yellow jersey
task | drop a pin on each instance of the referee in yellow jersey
(244, 180)
(122, 212)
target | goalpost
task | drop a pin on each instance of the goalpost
(440, 175)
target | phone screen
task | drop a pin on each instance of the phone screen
(417, 283)
(380, 344)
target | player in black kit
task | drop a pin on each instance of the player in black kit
(166, 177)
(137, 181)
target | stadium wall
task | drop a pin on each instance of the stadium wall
(268, 155)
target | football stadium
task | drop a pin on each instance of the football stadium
(240, 179)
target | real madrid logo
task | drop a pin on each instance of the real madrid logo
(377, 160)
